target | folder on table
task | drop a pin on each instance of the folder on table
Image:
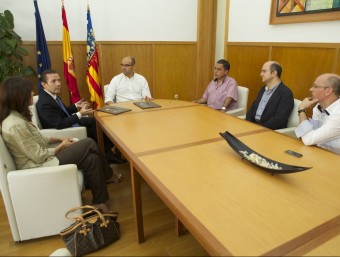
(146, 104)
(113, 109)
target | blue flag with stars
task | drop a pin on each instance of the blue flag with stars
(43, 57)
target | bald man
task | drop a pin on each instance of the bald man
(275, 101)
(323, 129)
(128, 85)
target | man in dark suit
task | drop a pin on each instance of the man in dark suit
(275, 100)
(54, 114)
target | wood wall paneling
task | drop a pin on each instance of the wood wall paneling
(175, 71)
(30, 60)
(111, 55)
(245, 66)
(80, 61)
(206, 30)
(168, 67)
(178, 66)
(337, 62)
(301, 65)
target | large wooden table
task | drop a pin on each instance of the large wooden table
(230, 206)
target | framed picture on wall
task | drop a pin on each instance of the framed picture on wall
(294, 11)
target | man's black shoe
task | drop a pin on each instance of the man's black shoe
(113, 159)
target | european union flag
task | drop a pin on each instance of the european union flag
(43, 57)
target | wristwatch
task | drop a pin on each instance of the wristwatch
(302, 110)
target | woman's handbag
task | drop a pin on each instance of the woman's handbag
(91, 231)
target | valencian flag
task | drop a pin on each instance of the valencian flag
(69, 67)
(92, 74)
(43, 57)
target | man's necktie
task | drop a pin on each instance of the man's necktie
(65, 111)
(62, 106)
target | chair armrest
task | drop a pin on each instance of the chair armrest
(287, 131)
(78, 132)
(40, 198)
(58, 176)
(237, 112)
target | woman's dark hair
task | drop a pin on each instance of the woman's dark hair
(15, 95)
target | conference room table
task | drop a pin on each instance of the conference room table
(232, 207)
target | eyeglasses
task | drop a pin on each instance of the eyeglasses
(316, 86)
(125, 65)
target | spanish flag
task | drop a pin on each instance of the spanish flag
(69, 67)
(92, 74)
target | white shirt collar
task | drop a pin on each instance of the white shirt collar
(53, 95)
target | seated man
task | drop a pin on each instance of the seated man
(54, 114)
(323, 129)
(221, 93)
(275, 101)
(128, 85)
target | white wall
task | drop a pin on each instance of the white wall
(249, 22)
(112, 20)
(164, 20)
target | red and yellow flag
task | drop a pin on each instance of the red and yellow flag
(69, 67)
(92, 74)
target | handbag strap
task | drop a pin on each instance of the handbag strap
(81, 216)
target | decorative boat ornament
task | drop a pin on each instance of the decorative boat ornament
(259, 160)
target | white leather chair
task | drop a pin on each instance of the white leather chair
(37, 199)
(106, 87)
(293, 121)
(242, 102)
(78, 132)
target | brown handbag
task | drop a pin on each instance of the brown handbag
(91, 230)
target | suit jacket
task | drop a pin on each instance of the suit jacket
(52, 116)
(276, 113)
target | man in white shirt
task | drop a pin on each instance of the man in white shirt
(323, 129)
(128, 85)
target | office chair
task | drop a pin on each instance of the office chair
(106, 87)
(37, 199)
(293, 121)
(242, 102)
(78, 132)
